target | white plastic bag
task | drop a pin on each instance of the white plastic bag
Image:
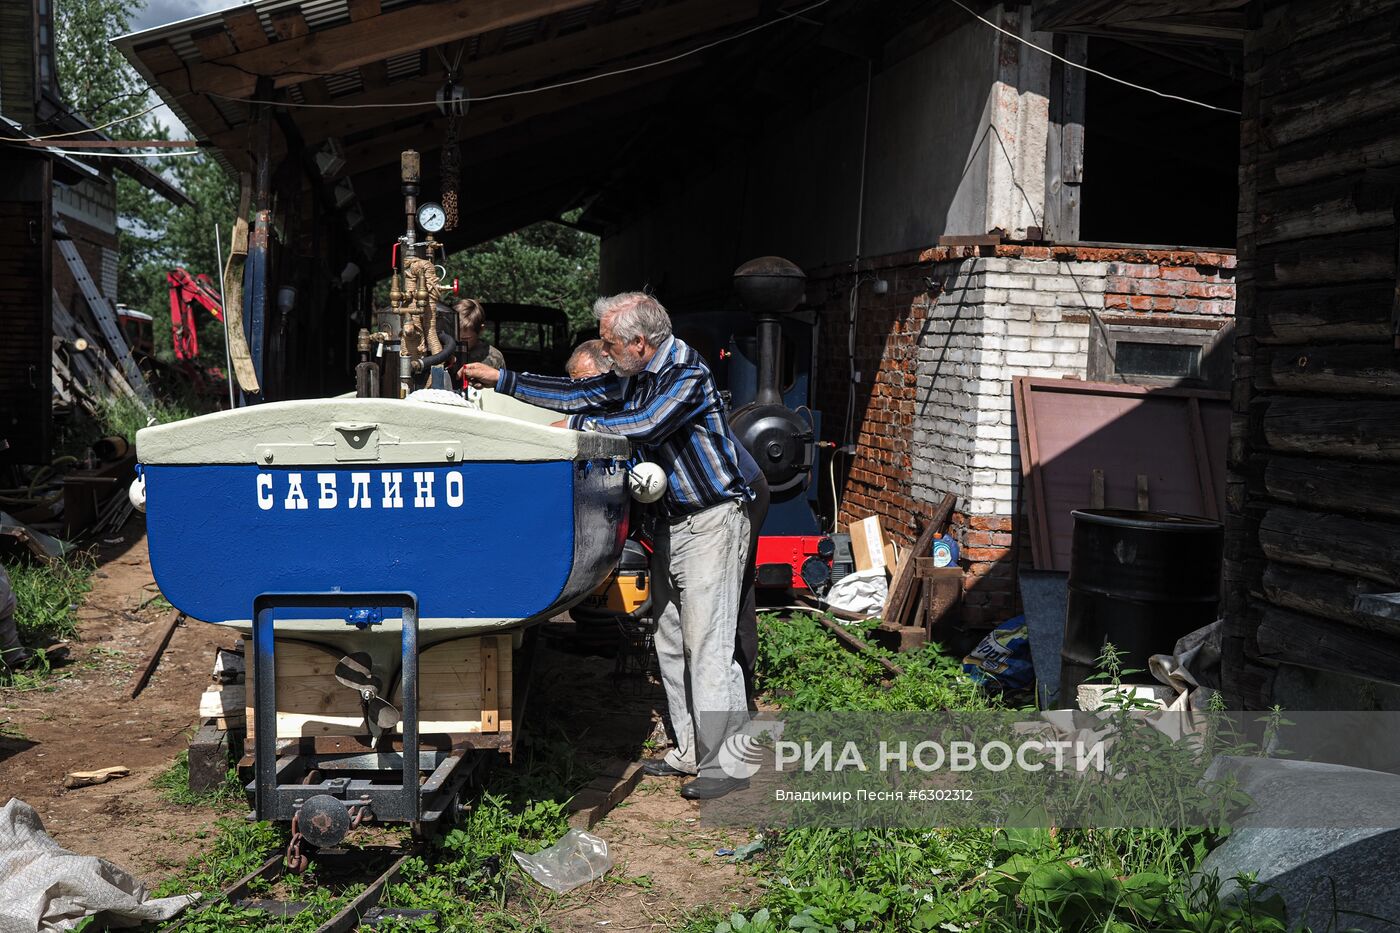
(862, 592)
(577, 858)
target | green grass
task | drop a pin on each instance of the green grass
(124, 416)
(174, 784)
(466, 875)
(988, 880)
(47, 596)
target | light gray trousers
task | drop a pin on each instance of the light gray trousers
(12, 652)
(697, 569)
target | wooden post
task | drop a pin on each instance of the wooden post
(490, 703)
(255, 273)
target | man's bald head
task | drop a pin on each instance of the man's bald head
(588, 359)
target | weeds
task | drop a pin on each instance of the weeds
(174, 785)
(124, 416)
(991, 880)
(47, 596)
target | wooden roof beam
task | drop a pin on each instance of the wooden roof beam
(494, 116)
(374, 38)
(575, 52)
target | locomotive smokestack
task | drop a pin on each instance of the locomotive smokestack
(769, 287)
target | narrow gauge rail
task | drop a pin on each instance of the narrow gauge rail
(347, 867)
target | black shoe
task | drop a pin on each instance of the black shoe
(703, 788)
(660, 767)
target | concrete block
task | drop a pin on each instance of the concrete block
(1032, 266)
(1033, 299)
(1045, 330)
(1028, 360)
(992, 432)
(1005, 280)
(1077, 361)
(1060, 345)
(208, 758)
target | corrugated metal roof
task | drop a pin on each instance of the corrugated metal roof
(347, 83)
(405, 65)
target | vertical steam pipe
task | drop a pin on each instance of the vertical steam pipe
(770, 336)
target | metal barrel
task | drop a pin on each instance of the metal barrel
(1137, 580)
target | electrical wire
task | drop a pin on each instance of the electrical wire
(94, 154)
(156, 106)
(536, 90)
(1092, 71)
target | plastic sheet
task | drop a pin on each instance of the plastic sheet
(862, 592)
(576, 859)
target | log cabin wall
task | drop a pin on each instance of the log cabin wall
(1315, 448)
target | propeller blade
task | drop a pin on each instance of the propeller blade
(382, 713)
(356, 672)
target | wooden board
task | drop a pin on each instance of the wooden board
(451, 682)
(902, 596)
(310, 701)
(102, 310)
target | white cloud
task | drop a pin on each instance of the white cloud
(163, 12)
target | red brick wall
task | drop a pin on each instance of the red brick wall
(876, 480)
(1010, 310)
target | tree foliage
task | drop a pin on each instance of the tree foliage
(546, 263)
(95, 80)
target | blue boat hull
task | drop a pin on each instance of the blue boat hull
(482, 545)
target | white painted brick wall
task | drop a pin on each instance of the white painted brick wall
(995, 320)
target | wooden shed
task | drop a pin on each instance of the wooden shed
(1315, 449)
(1313, 528)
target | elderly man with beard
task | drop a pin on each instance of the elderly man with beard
(662, 397)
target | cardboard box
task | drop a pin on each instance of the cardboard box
(870, 547)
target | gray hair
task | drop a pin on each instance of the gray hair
(637, 315)
(591, 351)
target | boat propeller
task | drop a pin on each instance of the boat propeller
(356, 672)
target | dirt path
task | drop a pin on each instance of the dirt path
(665, 863)
(85, 722)
(665, 866)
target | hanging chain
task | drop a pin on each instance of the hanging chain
(451, 173)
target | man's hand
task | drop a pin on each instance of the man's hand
(479, 374)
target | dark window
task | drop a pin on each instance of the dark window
(1166, 360)
(1160, 171)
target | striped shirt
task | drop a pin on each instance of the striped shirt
(671, 410)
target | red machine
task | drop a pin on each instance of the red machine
(799, 562)
(186, 291)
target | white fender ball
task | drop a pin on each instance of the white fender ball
(647, 481)
(136, 492)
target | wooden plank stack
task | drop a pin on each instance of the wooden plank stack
(905, 621)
